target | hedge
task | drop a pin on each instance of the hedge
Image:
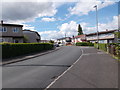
(118, 51)
(17, 49)
(102, 46)
(84, 44)
(115, 52)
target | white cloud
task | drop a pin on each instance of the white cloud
(27, 11)
(29, 27)
(101, 26)
(83, 7)
(109, 25)
(25, 26)
(71, 29)
(48, 19)
(40, 1)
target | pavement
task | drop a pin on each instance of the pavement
(26, 57)
(94, 69)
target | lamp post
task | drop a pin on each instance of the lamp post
(118, 38)
(119, 16)
(97, 25)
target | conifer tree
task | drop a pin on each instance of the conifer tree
(80, 32)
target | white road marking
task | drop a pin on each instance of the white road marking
(64, 72)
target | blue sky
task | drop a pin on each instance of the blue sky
(55, 19)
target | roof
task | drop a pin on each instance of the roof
(80, 36)
(13, 36)
(101, 39)
(63, 38)
(32, 31)
(103, 32)
(4, 24)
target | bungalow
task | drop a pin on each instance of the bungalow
(79, 38)
(104, 37)
(64, 40)
(44, 41)
(31, 36)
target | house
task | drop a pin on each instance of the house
(31, 36)
(104, 37)
(45, 41)
(11, 33)
(64, 40)
(79, 38)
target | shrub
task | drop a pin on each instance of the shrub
(103, 46)
(113, 48)
(51, 41)
(17, 49)
(84, 44)
(117, 49)
(95, 45)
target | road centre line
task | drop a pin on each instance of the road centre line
(64, 71)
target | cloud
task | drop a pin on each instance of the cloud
(109, 25)
(83, 7)
(29, 27)
(101, 26)
(27, 11)
(25, 26)
(70, 29)
(48, 19)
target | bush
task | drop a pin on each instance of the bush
(95, 45)
(103, 46)
(84, 44)
(113, 48)
(117, 49)
(17, 49)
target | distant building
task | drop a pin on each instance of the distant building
(79, 38)
(11, 33)
(31, 36)
(45, 41)
(64, 40)
(104, 37)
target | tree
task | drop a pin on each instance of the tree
(51, 41)
(80, 32)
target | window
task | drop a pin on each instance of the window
(15, 29)
(3, 29)
(15, 41)
(2, 39)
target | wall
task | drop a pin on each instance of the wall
(10, 31)
(31, 36)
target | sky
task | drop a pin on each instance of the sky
(54, 19)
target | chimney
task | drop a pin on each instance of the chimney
(1, 21)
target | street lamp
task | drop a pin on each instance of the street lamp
(119, 16)
(118, 38)
(97, 25)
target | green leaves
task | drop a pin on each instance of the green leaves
(117, 34)
(80, 32)
(17, 49)
(84, 44)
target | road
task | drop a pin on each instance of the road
(40, 71)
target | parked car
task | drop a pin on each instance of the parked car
(56, 45)
(60, 44)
